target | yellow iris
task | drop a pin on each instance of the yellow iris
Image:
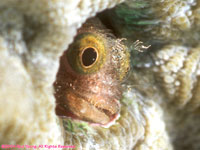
(87, 54)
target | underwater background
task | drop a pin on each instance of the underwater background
(159, 104)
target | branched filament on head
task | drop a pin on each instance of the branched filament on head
(138, 46)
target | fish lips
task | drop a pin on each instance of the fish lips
(94, 109)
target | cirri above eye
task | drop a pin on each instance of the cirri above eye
(88, 84)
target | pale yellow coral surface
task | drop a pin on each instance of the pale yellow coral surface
(140, 127)
(33, 34)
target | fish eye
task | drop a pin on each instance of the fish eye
(87, 54)
(89, 57)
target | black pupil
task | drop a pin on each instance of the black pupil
(89, 56)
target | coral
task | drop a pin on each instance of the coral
(162, 20)
(140, 126)
(177, 70)
(33, 34)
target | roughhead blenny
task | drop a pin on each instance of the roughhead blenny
(88, 84)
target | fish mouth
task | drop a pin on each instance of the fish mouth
(95, 109)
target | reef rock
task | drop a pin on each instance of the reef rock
(33, 34)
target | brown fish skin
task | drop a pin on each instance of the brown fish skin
(91, 92)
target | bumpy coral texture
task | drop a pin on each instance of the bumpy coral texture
(157, 21)
(140, 127)
(33, 34)
(167, 72)
(177, 70)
